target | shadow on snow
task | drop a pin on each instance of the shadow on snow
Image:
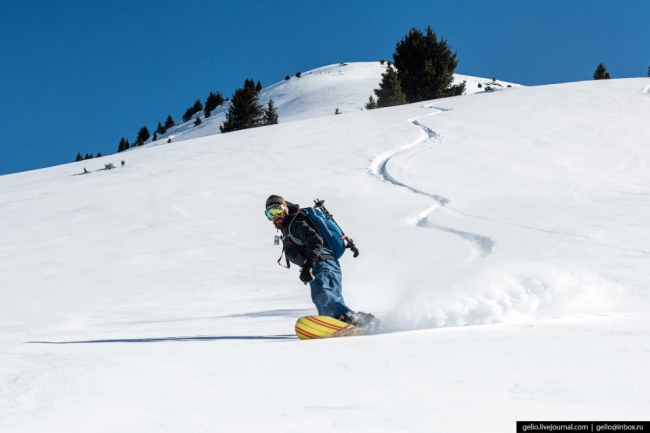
(166, 339)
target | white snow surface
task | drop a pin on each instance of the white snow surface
(504, 241)
(319, 92)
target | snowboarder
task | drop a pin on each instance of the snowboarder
(319, 269)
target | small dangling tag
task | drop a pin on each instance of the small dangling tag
(276, 240)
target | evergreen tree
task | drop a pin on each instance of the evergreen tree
(298, 74)
(213, 101)
(123, 145)
(250, 85)
(210, 103)
(258, 88)
(287, 78)
(188, 114)
(648, 71)
(270, 114)
(390, 91)
(219, 99)
(143, 135)
(601, 73)
(160, 129)
(372, 104)
(425, 66)
(197, 122)
(207, 113)
(88, 156)
(155, 136)
(79, 157)
(197, 107)
(99, 154)
(169, 122)
(244, 111)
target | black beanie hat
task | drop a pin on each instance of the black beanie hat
(274, 200)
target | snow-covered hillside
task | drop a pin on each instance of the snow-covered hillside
(319, 92)
(503, 238)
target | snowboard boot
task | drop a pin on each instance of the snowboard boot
(365, 321)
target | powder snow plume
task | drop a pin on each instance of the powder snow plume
(490, 296)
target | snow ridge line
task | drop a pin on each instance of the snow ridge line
(482, 244)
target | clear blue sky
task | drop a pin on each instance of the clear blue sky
(76, 76)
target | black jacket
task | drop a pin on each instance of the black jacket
(301, 227)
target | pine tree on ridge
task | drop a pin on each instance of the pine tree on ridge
(371, 104)
(270, 114)
(169, 122)
(425, 66)
(244, 111)
(601, 72)
(390, 91)
(143, 135)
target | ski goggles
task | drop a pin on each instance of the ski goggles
(274, 212)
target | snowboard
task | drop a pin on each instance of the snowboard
(314, 327)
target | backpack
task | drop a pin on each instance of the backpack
(336, 242)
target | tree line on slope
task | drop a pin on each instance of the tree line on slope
(88, 156)
(244, 112)
(422, 69)
(213, 101)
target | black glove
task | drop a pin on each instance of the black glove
(305, 274)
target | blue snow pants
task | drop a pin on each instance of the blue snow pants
(326, 289)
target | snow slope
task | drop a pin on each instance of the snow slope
(317, 93)
(503, 238)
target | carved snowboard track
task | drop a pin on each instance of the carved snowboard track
(482, 245)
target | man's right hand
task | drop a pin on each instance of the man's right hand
(306, 275)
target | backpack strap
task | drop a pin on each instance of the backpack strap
(285, 258)
(294, 239)
(325, 254)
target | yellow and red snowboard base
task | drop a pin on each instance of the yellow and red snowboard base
(313, 327)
